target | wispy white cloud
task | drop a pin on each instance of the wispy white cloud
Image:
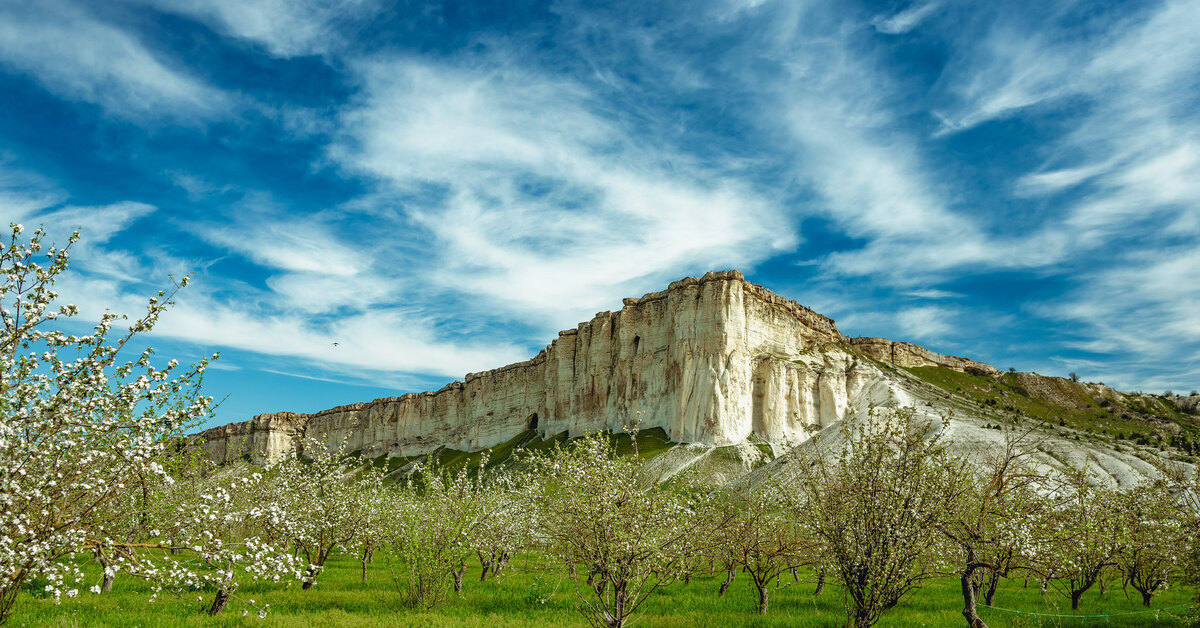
(1140, 315)
(1007, 70)
(934, 293)
(1051, 181)
(301, 247)
(97, 224)
(285, 28)
(77, 56)
(547, 203)
(927, 322)
(367, 341)
(260, 229)
(22, 192)
(905, 20)
(1130, 159)
(869, 175)
(316, 293)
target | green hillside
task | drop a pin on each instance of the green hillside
(1080, 409)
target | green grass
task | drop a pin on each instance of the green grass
(1060, 403)
(515, 599)
(649, 444)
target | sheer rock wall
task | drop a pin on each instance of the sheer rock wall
(710, 360)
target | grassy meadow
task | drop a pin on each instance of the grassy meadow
(534, 592)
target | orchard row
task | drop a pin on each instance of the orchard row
(93, 461)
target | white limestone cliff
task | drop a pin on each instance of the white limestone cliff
(710, 361)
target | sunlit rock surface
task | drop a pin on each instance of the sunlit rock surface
(711, 361)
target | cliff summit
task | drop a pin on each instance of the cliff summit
(713, 360)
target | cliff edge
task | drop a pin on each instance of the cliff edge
(710, 360)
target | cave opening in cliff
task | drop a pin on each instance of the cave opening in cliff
(636, 340)
(533, 421)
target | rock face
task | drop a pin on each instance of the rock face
(908, 355)
(265, 437)
(710, 360)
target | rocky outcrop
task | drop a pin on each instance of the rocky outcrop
(264, 438)
(709, 360)
(908, 355)
(1189, 404)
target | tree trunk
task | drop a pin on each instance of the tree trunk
(486, 563)
(968, 592)
(763, 591)
(219, 603)
(820, 582)
(310, 577)
(1147, 594)
(1078, 593)
(458, 577)
(619, 603)
(109, 576)
(728, 580)
(8, 593)
(993, 582)
(364, 559)
(314, 570)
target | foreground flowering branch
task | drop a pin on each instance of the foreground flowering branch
(79, 427)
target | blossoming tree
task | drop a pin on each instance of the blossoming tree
(614, 528)
(319, 500)
(877, 505)
(93, 453)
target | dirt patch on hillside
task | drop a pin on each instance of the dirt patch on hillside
(1055, 390)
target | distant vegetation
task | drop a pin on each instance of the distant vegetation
(1092, 409)
(108, 516)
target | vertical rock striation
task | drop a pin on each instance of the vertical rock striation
(709, 360)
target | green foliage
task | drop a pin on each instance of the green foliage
(427, 528)
(344, 601)
(1055, 401)
(621, 534)
(877, 507)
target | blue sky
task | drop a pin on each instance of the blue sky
(440, 188)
